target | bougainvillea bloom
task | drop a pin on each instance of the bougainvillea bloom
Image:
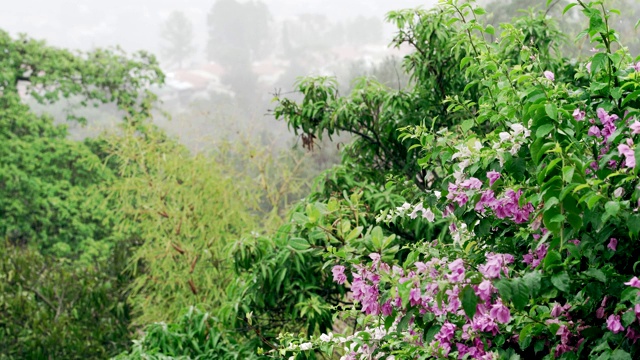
(338, 274)
(549, 75)
(613, 244)
(493, 176)
(635, 127)
(614, 324)
(578, 114)
(633, 282)
(628, 153)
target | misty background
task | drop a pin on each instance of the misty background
(225, 59)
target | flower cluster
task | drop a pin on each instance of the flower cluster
(604, 131)
(436, 286)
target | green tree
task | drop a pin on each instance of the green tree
(63, 292)
(177, 33)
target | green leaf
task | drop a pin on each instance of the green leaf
(567, 173)
(630, 294)
(561, 281)
(620, 354)
(552, 259)
(467, 125)
(469, 301)
(551, 110)
(598, 62)
(520, 294)
(628, 318)
(525, 336)
(299, 244)
(544, 130)
(479, 11)
(612, 208)
(568, 7)
(634, 224)
(596, 274)
(490, 30)
(533, 281)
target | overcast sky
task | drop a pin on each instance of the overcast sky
(135, 24)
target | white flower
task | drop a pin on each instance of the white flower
(458, 175)
(437, 193)
(405, 206)
(477, 145)
(618, 192)
(326, 337)
(414, 214)
(504, 136)
(514, 149)
(429, 215)
(306, 346)
(464, 164)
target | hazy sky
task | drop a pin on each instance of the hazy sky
(135, 24)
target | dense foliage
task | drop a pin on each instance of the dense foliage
(486, 209)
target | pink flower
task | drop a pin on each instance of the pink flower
(457, 271)
(636, 66)
(614, 324)
(594, 131)
(549, 75)
(484, 290)
(613, 244)
(338, 274)
(589, 67)
(493, 176)
(387, 310)
(414, 296)
(500, 313)
(634, 282)
(600, 312)
(631, 333)
(635, 127)
(630, 157)
(471, 183)
(578, 114)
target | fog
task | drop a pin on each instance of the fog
(136, 24)
(224, 59)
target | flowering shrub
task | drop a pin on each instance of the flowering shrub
(534, 197)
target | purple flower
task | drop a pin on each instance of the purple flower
(589, 67)
(338, 274)
(471, 183)
(493, 176)
(484, 290)
(549, 75)
(613, 244)
(614, 324)
(634, 282)
(457, 271)
(636, 66)
(635, 127)
(578, 114)
(446, 332)
(414, 296)
(500, 313)
(600, 312)
(387, 310)
(594, 131)
(495, 263)
(630, 157)
(602, 115)
(632, 334)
